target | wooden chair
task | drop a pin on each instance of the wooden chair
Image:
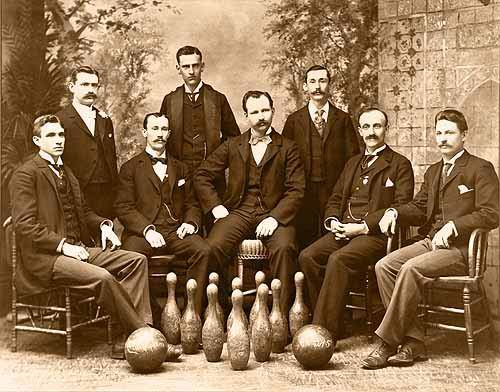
(367, 290)
(472, 291)
(58, 310)
(250, 250)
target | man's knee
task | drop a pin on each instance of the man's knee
(381, 266)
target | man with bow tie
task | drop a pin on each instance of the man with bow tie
(369, 184)
(90, 144)
(459, 194)
(265, 188)
(157, 206)
(53, 225)
(326, 140)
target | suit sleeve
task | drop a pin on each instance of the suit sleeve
(351, 138)
(486, 202)
(286, 210)
(192, 211)
(332, 208)
(414, 212)
(229, 127)
(403, 193)
(164, 106)
(206, 175)
(125, 202)
(288, 129)
(25, 211)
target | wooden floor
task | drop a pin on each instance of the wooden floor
(40, 364)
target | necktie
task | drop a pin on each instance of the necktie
(319, 121)
(155, 160)
(192, 97)
(446, 169)
(366, 161)
(256, 139)
(59, 169)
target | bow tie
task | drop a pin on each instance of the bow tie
(257, 139)
(155, 160)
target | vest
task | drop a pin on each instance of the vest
(194, 146)
(165, 217)
(101, 172)
(437, 220)
(71, 223)
(252, 201)
(317, 171)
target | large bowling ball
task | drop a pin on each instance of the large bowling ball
(145, 349)
(313, 346)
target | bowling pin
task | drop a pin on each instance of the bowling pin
(236, 284)
(260, 277)
(279, 325)
(261, 335)
(238, 340)
(171, 315)
(190, 322)
(212, 334)
(299, 312)
(213, 278)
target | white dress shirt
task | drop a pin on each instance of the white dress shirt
(313, 109)
(375, 154)
(259, 149)
(453, 160)
(159, 168)
(49, 159)
(87, 114)
(196, 91)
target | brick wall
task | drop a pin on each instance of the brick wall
(435, 54)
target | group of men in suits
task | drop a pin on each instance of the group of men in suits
(308, 194)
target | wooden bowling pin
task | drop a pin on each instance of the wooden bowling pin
(212, 334)
(236, 284)
(261, 335)
(213, 278)
(171, 315)
(279, 325)
(190, 322)
(260, 277)
(299, 312)
(238, 339)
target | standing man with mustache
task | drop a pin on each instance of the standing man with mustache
(264, 192)
(326, 139)
(459, 195)
(90, 144)
(156, 204)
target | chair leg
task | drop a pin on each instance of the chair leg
(368, 307)
(110, 331)
(69, 337)
(240, 268)
(468, 322)
(486, 308)
(425, 298)
(13, 346)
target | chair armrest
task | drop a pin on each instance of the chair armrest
(476, 255)
(7, 222)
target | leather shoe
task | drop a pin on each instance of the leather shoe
(378, 357)
(410, 352)
(118, 348)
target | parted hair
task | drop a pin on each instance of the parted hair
(83, 69)
(187, 50)
(255, 94)
(41, 121)
(317, 67)
(454, 116)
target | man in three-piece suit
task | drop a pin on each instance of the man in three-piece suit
(459, 194)
(368, 185)
(200, 116)
(90, 144)
(264, 191)
(326, 139)
(53, 224)
(156, 204)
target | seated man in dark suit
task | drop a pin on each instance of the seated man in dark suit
(265, 188)
(157, 205)
(368, 185)
(53, 224)
(459, 195)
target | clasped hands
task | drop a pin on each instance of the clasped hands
(265, 228)
(80, 252)
(346, 231)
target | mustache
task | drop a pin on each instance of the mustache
(160, 139)
(90, 95)
(444, 145)
(263, 122)
(371, 137)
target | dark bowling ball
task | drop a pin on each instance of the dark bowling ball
(145, 349)
(313, 346)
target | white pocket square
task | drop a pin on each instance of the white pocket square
(389, 183)
(463, 189)
(181, 182)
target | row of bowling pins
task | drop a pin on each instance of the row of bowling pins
(267, 332)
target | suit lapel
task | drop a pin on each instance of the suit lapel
(100, 128)
(457, 169)
(350, 172)
(47, 172)
(212, 118)
(177, 104)
(73, 114)
(147, 169)
(272, 148)
(329, 122)
(305, 125)
(244, 146)
(172, 175)
(434, 189)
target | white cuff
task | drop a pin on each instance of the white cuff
(60, 246)
(328, 220)
(394, 211)
(148, 227)
(106, 222)
(366, 229)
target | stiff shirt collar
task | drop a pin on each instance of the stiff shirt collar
(455, 157)
(268, 132)
(377, 151)
(47, 157)
(196, 90)
(312, 110)
(83, 110)
(154, 154)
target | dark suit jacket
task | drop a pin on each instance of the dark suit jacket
(390, 165)
(80, 149)
(469, 198)
(138, 198)
(340, 141)
(38, 216)
(220, 123)
(282, 182)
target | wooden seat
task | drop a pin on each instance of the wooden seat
(472, 292)
(57, 310)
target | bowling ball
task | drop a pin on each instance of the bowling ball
(145, 349)
(313, 346)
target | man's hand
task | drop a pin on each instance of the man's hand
(336, 226)
(266, 227)
(154, 239)
(107, 234)
(75, 251)
(184, 229)
(388, 223)
(219, 212)
(349, 230)
(440, 239)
